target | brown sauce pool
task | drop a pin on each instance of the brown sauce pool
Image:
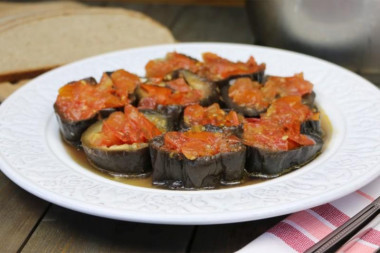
(79, 157)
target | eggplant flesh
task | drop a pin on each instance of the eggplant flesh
(127, 160)
(164, 121)
(175, 171)
(269, 164)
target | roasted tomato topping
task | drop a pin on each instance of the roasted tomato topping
(289, 109)
(277, 86)
(125, 128)
(125, 83)
(179, 84)
(212, 115)
(156, 95)
(199, 144)
(216, 68)
(80, 100)
(172, 61)
(268, 135)
(247, 93)
(280, 127)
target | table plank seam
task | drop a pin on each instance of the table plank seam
(34, 228)
(191, 239)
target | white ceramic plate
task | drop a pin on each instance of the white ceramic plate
(33, 156)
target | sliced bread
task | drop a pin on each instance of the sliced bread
(34, 44)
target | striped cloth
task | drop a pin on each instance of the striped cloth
(303, 229)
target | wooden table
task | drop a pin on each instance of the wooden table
(29, 224)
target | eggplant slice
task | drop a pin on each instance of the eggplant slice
(209, 89)
(246, 111)
(269, 164)
(235, 130)
(71, 131)
(127, 160)
(175, 171)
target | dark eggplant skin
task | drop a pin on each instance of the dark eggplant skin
(105, 113)
(308, 99)
(270, 164)
(72, 131)
(121, 161)
(175, 171)
(174, 112)
(312, 127)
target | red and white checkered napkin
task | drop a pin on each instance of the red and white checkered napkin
(301, 230)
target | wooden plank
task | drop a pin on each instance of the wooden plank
(205, 23)
(180, 2)
(163, 13)
(229, 237)
(20, 212)
(63, 230)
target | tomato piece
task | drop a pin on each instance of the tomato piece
(280, 127)
(183, 98)
(286, 86)
(179, 84)
(174, 140)
(217, 68)
(193, 114)
(172, 61)
(246, 92)
(148, 103)
(115, 124)
(125, 128)
(289, 109)
(212, 115)
(266, 135)
(81, 100)
(198, 144)
(160, 94)
(124, 82)
(165, 96)
(232, 119)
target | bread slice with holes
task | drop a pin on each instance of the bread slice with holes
(34, 44)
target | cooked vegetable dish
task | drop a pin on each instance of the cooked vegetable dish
(192, 124)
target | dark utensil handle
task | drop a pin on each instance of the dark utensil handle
(338, 237)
